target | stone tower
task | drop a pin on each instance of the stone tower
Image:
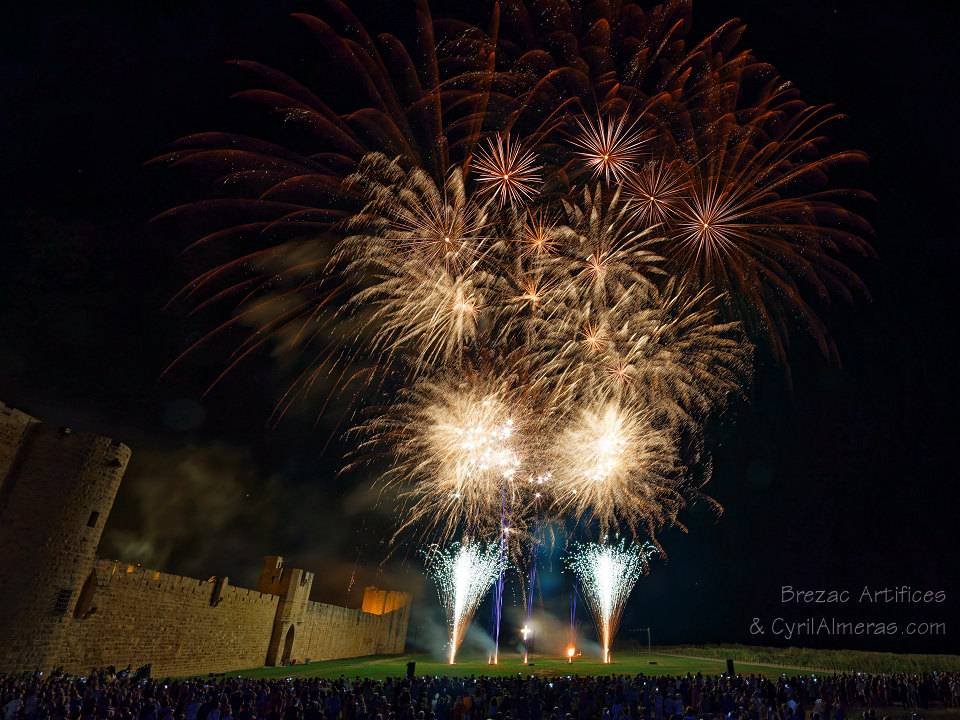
(56, 491)
(293, 586)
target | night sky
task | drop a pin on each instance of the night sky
(844, 479)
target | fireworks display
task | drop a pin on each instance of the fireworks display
(463, 575)
(609, 148)
(539, 251)
(607, 574)
(506, 172)
(613, 463)
(459, 443)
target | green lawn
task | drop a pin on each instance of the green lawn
(381, 666)
(826, 660)
(675, 660)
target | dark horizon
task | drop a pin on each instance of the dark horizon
(844, 479)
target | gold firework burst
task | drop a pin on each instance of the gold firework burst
(656, 192)
(609, 148)
(507, 172)
(614, 466)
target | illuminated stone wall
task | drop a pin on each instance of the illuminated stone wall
(64, 607)
(56, 491)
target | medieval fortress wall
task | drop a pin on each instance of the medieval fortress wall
(65, 607)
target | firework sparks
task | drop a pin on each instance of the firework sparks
(458, 441)
(538, 234)
(413, 256)
(615, 466)
(464, 573)
(483, 444)
(725, 182)
(419, 258)
(607, 574)
(426, 316)
(601, 254)
(610, 148)
(657, 193)
(747, 228)
(409, 219)
(657, 350)
(506, 172)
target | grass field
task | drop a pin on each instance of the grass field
(709, 659)
(826, 660)
(393, 665)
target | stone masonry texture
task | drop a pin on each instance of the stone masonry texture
(65, 607)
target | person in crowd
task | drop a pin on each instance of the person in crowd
(110, 695)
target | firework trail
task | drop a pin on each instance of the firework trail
(497, 610)
(515, 267)
(572, 649)
(607, 574)
(728, 173)
(613, 466)
(463, 574)
(457, 440)
(533, 571)
(506, 172)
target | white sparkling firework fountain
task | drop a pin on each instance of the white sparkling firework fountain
(607, 574)
(463, 574)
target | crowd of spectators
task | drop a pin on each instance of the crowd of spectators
(108, 695)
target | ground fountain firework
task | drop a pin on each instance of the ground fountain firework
(606, 574)
(464, 573)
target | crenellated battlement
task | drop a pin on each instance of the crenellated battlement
(63, 606)
(116, 571)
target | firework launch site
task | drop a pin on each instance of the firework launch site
(626, 663)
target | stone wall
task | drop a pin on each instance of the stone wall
(61, 606)
(336, 632)
(379, 602)
(180, 625)
(56, 490)
(305, 630)
(133, 616)
(13, 431)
